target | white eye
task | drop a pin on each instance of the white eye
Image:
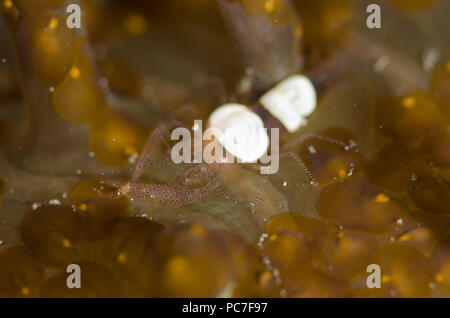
(291, 101)
(240, 131)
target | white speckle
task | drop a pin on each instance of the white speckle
(392, 239)
(91, 154)
(350, 173)
(133, 158)
(266, 261)
(413, 177)
(4, 60)
(54, 202)
(400, 221)
(311, 149)
(114, 139)
(430, 57)
(283, 293)
(351, 145)
(51, 89)
(78, 172)
(35, 205)
(245, 85)
(64, 195)
(249, 71)
(1, 242)
(432, 285)
(277, 275)
(381, 63)
(103, 82)
(341, 227)
(276, 272)
(285, 184)
(262, 239)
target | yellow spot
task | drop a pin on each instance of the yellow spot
(196, 230)
(49, 42)
(130, 150)
(75, 72)
(340, 235)
(298, 32)
(269, 6)
(385, 279)
(8, 4)
(177, 265)
(121, 258)
(342, 173)
(405, 237)
(273, 237)
(381, 198)
(135, 24)
(53, 23)
(265, 278)
(409, 102)
(439, 278)
(66, 243)
(447, 66)
(83, 207)
(25, 291)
